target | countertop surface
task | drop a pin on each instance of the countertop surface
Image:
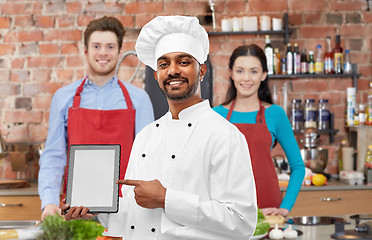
(331, 185)
(27, 191)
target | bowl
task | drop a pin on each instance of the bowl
(315, 158)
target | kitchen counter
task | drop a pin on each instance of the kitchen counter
(320, 232)
(333, 185)
(27, 191)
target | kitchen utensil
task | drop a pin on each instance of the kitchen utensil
(362, 231)
(310, 138)
(281, 164)
(347, 158)
(3, 151)
(315, 158)
(315, 220)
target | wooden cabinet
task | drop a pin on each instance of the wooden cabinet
(337, 202)
(20, 208)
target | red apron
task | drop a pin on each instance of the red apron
(91, 126)
(259, 142)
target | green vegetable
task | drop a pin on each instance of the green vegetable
(56, 228)
(262, 227)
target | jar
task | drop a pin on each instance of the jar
(310, 113)
(297, 115)
(324, 116)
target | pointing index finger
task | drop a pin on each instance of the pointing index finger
(129, 182)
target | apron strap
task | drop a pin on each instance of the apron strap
(260, 115)
(126, 95)
(231, 109)
(77, 97)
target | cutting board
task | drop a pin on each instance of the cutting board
(8, 184)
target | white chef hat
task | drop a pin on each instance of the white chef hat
(166, 34)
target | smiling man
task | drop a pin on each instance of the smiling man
(189, 174)
(97, 109)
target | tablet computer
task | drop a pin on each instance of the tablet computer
(92, 174)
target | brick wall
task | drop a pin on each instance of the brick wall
(41, 50)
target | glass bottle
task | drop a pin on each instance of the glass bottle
(310, 113)
(338, 56)
(284, 65)
(289, 61)
(328, 57)
(275, 95)
(369, 104)
(350, 105)
(319, 65)
(304, 62)
(269, 52)
(277, 63)
(296, 60)
(324, 116)
(368, 166)
(311, 64)
(356, 117)
(347, 64)
(285, 98)
(362, 114)
(340, 163)
(297, 115)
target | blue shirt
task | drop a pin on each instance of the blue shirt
(280, 129)
(107, 97)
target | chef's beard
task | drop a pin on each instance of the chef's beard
(190, 91)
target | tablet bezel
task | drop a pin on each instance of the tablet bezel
(73, 173)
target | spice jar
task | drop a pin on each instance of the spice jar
(297, 115)
(324, 116)
(310, 113)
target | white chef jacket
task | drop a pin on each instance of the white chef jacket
(203, 161)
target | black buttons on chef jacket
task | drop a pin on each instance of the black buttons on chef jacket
(189, 124)
(157, 125)
(152, 229)
(143, 155)
(173, 156)
(132, 227)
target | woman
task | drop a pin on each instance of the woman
(249, 106)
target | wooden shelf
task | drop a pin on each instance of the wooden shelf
(278, 32)
(285, 32)
(354, 75)
(294, 76)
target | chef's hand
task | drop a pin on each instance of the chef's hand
(148, 194)
(275, 211)
(49, 209)
(75, 212)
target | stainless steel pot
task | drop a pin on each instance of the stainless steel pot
(315, 220)
(315, 158)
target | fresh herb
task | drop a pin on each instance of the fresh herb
(262, 227)
(56, 228)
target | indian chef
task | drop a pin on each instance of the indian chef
(189, 174)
